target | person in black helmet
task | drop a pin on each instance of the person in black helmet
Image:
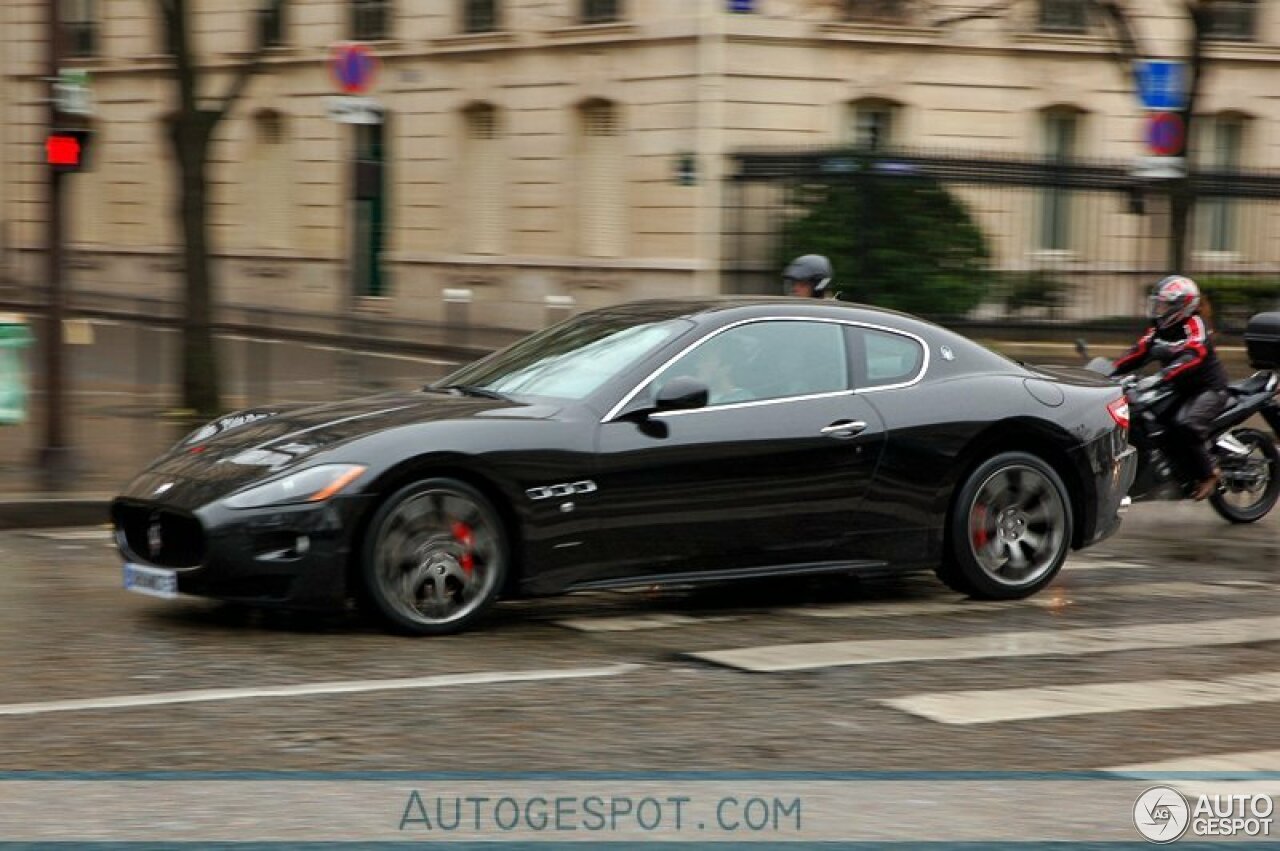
(807, 277)
(1181, 340)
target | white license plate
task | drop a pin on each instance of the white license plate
(154, 581)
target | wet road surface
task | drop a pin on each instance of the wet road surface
(612, 681)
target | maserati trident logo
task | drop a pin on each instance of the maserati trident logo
(155, 538)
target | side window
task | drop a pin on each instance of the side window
(883, 358)
(766, 360)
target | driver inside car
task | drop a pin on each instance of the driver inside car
(1180, 339)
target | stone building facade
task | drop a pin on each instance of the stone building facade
(565, 152)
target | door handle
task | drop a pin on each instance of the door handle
(845, 428)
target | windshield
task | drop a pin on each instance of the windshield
(571, 360)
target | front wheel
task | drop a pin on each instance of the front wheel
(1250, 483)
(1009, 529)
(435, 557)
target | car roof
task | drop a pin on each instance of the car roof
(733, 307)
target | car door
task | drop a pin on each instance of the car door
(771, 471)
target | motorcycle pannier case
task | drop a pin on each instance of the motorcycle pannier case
(1262, 338)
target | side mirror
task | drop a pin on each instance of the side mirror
(682, 394)
(1082, 348)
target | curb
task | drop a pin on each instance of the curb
(54, 512)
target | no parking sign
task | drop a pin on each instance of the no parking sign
(353, 67)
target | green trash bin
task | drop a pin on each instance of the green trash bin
(15, 337)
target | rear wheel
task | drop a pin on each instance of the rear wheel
(1250, 484)
(435, 557)
(1009, 529)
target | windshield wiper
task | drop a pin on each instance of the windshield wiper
(472, 390)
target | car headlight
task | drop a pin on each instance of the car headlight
(315, 484)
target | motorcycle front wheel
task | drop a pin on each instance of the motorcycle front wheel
(1250, 484)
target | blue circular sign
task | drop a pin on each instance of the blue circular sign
(353, 67)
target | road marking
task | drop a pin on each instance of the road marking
(132, 701)
(989, 706)
(1070, 642)
(1239, 761)
(73, 534)
(637, 623)
(1087, 564)
(1227, 764)
(1053, 597)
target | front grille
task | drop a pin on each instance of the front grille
(159, 536)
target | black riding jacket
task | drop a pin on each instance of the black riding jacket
(1186, 350)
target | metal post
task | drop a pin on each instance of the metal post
(55, 454)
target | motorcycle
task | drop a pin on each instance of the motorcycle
(1246, 456)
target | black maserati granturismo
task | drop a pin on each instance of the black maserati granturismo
(660, 442)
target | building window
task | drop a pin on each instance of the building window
(876, 11)
(271, 23)
(479, 16)
(871, 124)
(1061, 130)
(484, 193)
(270, 189)
(370, 19)
(1232, 20)
(602, 201)
(1220, 150)
(80, 28)
(1064, 15)
(601, 11)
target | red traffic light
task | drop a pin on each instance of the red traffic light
(65, 149)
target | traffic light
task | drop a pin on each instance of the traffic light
(68, 150)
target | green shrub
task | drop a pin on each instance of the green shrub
(1232, 300)
(1034, 291)
(901, 242)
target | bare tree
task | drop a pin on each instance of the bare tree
(191, 127)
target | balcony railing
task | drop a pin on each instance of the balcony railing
(370, 20)
(876, 11)
(1233, 20)
(601, 11)
(1064, 15)
(480, 16)
(81, 38)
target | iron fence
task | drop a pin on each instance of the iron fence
(1067, 240)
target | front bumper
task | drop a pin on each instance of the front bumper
(293, 556)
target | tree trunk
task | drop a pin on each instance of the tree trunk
(200, 391)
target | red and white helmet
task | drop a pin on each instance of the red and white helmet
(1175, 299)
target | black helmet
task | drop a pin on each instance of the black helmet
(810, 269)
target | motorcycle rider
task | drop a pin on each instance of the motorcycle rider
(1181, 340)
(808, 276)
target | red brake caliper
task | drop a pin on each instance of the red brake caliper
(980, 536)
(463, 535)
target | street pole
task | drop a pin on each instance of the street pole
(54, 456)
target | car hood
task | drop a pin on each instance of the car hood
(237, 449)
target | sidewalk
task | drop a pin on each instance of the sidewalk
(111, 440)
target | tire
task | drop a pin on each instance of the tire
(1009, 530)
(435, 558)
(1263, 449)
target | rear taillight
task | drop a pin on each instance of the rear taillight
(1119, 411)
